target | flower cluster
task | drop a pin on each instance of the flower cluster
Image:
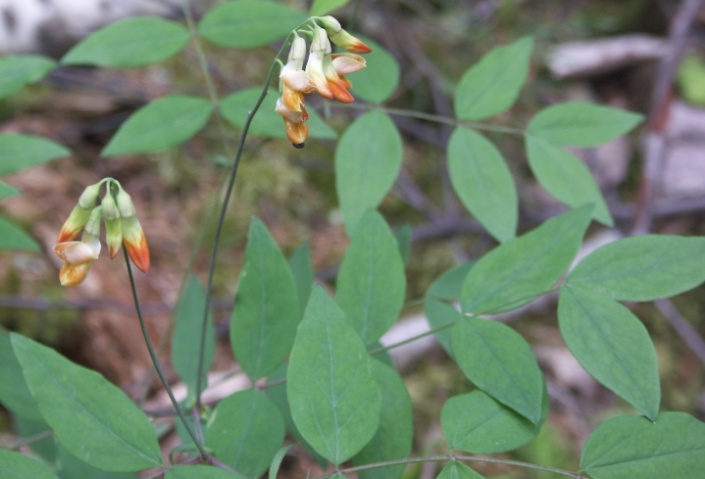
(121, 225)
(324, 73)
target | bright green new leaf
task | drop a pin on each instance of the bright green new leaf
(90, 417)
(476, 423)
(248, 23)
(18, 70)
(198, 472)
(371, 285)
(267, 122)
(72, 468)
(186, 339)
(14, 393)
(133, 42)
(565, 177)
(483, 182)
(634, 447)
(159, 125)
(394, 437)
(7, 191)
(322, 7)
(12, 237)
(302, 270)
(23, 151)
(499, 361)
(380, 78)
(245, 432)
(441, 316)
(582, 124)
(520, 270)
(266, 310)
(334, 398)
(642, 268)
(492, 85)
(367, 162)
(458, 470)
(612, 345)
(15, 465)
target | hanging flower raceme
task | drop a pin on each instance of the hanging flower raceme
(121, 225)
(324, 73)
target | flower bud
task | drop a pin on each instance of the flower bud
(93, 224)
(135, 241)
(74, 224)
(113, 224)
(124, 204)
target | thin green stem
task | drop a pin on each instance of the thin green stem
(155, 361)
(429, 117)
(450, 457)
(221, 218)
(31, 439)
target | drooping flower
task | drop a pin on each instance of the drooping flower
(113, 224)
(80, 213)
(78, 256)
(132, 233)
(320, 49)
(341, 37)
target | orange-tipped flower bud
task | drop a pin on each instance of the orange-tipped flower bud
(135, 242)
(342, 38)
(80, 214)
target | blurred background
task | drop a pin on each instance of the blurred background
(642, 55)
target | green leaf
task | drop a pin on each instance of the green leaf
(403, 237)
(18, 70)
(323, 7)
(15, 465)
(12, 237)
(367, 162)
(93, 419)
(483, 182)
(267, 122)
(72, 468)
(23, 151)
(371, 284)
(393, 439)
(582, 124)
(565, 177)
(520, 270)
(46, 448)
(458, 470)
(449, 285)
(277, 461)
(266, 311)
(642, 268)
(492, 85)
(248, 23)
(198, 472)
(477, 423)
(442, 315)
(14, 393)
(7, 191)
(499, 361)
(129, 43)
(159, 125)
(334, 398)
(691, 79)
(380, 78)
(626, 447)
(186, 339)
(245, 432)
(302, 270)
(612, 345)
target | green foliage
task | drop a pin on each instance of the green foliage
(377, 82)
(12, 237)
(483, 182)
(92, 419)
(18, 466)
(130, 43)
(16, 71)
(458, 470)
(322, 7)
(7, 191)
(159, 125)
(367, 162)
(20, 152)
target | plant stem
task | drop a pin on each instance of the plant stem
(155, 361)
(221, 219)
(31, 439)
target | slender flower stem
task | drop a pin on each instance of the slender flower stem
(155, 361)
(221, 218)
(429, 117)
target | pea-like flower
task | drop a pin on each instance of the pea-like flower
(80, 213)
(78, 256)
(342, 38)
(132, 233)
